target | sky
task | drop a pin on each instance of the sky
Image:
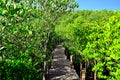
(98, 4)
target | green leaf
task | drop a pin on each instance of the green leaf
(1, 11)
(30, 32)
(55, 1)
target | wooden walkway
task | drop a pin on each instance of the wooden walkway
(60, 66)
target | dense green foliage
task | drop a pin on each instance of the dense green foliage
(95, 36)
(26, 28)
(28, 31)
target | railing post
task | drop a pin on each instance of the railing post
(71, 61)
(82, 71)
(46, 70)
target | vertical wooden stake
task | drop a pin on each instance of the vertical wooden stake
(95, 73)
(46, 70)
(71, 61)
(82, 71)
